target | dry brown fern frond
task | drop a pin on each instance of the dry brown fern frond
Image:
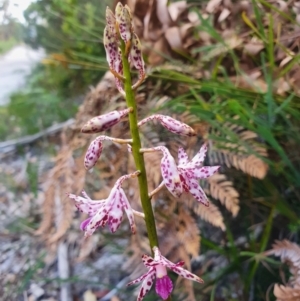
(211, 214)
(286, 293)
(67, 174)
(289, 253)
(245, 155)
(188, 232)
(221, 189)
(57, 209)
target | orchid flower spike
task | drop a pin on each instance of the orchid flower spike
(120, 27)
(157, 269)
(170, 124)
(94, 151)
(105, 121)
(105, 211)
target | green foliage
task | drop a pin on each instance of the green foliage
(272, 202)
(43, 102)
(6, 45)
(70, 28)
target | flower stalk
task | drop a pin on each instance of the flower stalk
(136, 146)
(123, 51)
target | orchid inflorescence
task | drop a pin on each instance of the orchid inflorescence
(123, 50)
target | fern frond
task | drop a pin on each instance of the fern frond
(47, 209)
(240, 150)
(211, 214)
(221, 189)
(188, 232)
(287, 251)
(286, 293)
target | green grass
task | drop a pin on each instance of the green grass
(6, 45)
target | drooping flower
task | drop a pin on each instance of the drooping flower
(157, 268)
(110, 39)
(105, 211)
(103, 122)
(136, 57)
(185, 176)
(169, 171)
(94, 151)
(170, 124)
(124, 21)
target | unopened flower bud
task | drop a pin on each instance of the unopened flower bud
(110, 45)
(110, 18)
(136, 56)
(118, 67)
(104, 122)
(118, 10)
(170, 124)
(95, 149)
(124, 20)
(93, 154)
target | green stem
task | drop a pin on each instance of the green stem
(138, 157)
(263, 245)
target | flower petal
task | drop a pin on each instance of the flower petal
(204, 171)
(197, 192)
(110, 45)
(124, 20)
(84, 224)
(169, 172)
(104, 122)
(85, 204)
(126, 206)
(141, 278)
(164, 287)
(170, 124)
(200, 156)
(185, 273)
(147, 284)
(93, 154)
(115, 213)
(118, 67)
(164, 261)
(110, 18)
(149, 261)
(136, 56)
(182, 157)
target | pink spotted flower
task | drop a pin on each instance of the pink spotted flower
(190, 171)
(185, 176)
(94, 151)
(170, 124)
(103, 122)
(105, 211)
(157, 268)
